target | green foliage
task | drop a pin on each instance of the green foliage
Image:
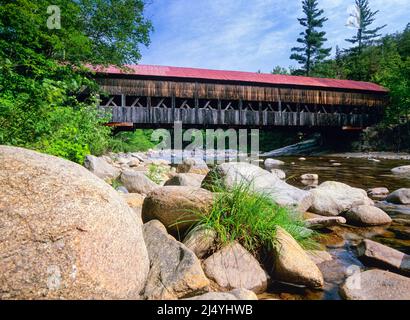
(365, 35)
(139, 140)
(311, 50)
(157, 173)
(252, 219)
(47, 99)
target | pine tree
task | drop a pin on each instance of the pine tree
(365, 35)
(312, 51)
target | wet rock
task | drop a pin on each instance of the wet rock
(302, 159)
(137, 182)
(333, 198)
(101, 168)
(378, 193)
(367, 216)
(186, 180)
(310, 177)
(260, 180)
(279, 173)
(292, 264)
(65, 234)
(233, 267)
(324, 222)
(377, 255)
(272, 164)
(376, 285)
(404, 170)
(175, 270)
(237, 294)
(178, 208)
(401, 196)
(201, 241)
(318, 257)
(197, 166)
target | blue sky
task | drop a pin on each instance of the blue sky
(247, 35)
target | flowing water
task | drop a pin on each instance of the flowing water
(340, 242)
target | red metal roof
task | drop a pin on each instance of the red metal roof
(253, 77)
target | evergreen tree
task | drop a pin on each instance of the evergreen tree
(312, 40)
(365, 35)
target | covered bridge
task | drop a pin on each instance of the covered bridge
(157, 96)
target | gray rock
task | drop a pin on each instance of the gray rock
(196, 166)
(101, 168)
(186, 180)
(376, 285)
(404, 170)
(318, 257)
(178, 208)
(279, 173)
(333, 198)
(233, 267)
(378, 193)
(272, 164)
(377, 255)
(310, 177)
(137, 182)
(259, 180)
(237, 294)
(175, 270)
(401, 196)
(324, 222)
(65, 234)
(292, 264)
(201, 241)
(367, 216)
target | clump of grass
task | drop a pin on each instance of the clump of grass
(251, 218)
(157, 173)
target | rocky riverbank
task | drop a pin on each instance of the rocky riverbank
(117, 231)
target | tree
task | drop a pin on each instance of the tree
(312, 40)
(366, 17)
(280, 70)
(47, 98)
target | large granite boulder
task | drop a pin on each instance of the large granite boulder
(178, 208)
(233, 268)
(403, 170)
(101, 168)
(271, 164)
(333, 198)
(377, 255)
(201, 241)
(193, 165)
(137, 182)
(65, 234)
(367, 216)
(292, 264)
(175, 270)
(230, 174)
(376, 285)
(401, 196)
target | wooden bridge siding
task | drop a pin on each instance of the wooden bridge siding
(208, 117)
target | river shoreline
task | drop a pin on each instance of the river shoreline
(371, 155)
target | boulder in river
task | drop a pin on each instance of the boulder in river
(137, 182)
(404, 170)
(186, 180)
(65, 234)
(376, 285)
(333, 198)
(367, 216)
(233, 173)
(378, 193)
(237, 294)
(310, 177)
(324, 222)
(377, 255)
(292, 264)
(272, 164)
(101, 168)
(233, 267)
(175, 270)
(401, 196)
(279, 173)
(178, 208)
